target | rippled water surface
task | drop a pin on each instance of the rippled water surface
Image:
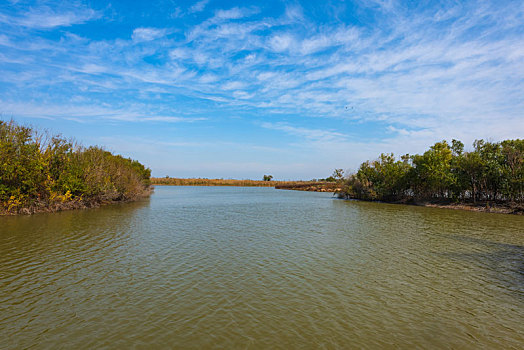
(230, 267)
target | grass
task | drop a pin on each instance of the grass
(222, 182)
(320, 186)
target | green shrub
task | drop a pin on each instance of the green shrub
(491, 172)
(35, 172)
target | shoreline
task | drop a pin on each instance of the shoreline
(210, 185)
(495, 208)
(76, 204)
(481, 206)
(311, 187)
(484, 206)
(173, 181)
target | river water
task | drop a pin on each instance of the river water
(234, 267)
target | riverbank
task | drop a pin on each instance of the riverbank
(173, 181)
(493, 172)
(40, 172)
(480, 206)
(62, 204)
(486, 207)
(311, 186)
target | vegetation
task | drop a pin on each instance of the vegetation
(337, 176)
(221, 182)
(267, 178)
(493, 171)
(39, 172)
(314, 186)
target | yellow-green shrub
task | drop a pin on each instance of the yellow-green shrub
(36, 172)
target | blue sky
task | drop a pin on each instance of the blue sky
(238, 89)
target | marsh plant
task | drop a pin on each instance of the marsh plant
(39, 172)
(492, 171)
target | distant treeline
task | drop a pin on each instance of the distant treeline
(39, 172)
(313, 186)
(493, 171)
(219, 182)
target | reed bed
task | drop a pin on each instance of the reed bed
(222, 182)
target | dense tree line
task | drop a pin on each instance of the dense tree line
(493, 171)
(41, 171)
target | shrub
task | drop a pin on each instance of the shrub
(35, 172)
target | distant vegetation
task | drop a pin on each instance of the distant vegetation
(337, 176)
(493, 171)
(313, 186)
(39, 172)
(220, 182)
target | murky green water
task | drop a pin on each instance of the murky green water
(228, 267)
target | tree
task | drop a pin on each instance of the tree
(457, 147)
(470, 172)
(513, 171)
(493, 171)
(267, 178)
(433, 171)
(387, 177)
(338, 174)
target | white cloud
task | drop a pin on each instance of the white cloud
(208, 78)
(47, 18)
(147, 34)
(4, 40)
(177, 13)
(294, 13)
(309, 46)
(233, 85)
(281, 42)
(310, 134)
(83, 112)
(179, 53)
(242, 95)
(198, 6)
(91, 68)
(235, 13)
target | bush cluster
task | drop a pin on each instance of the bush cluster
(39, 170)
(493, 171)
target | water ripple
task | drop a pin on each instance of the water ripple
(260, 268)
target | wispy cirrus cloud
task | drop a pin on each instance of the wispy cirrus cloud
(309, 134)
(199, 6)
(79, 110)
(361, 68)
(46, 17)
(381, 74)
(147, 34)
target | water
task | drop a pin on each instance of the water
(229, 267)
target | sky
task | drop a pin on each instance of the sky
(239, 89)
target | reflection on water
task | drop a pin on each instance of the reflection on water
(197, 267)
(503, 262)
